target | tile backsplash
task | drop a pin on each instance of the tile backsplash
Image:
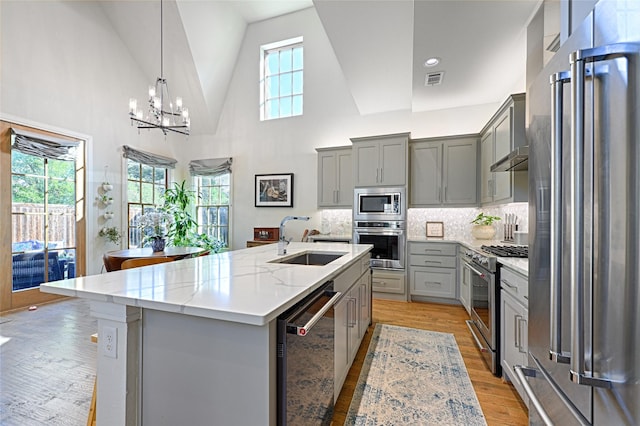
(457, 221)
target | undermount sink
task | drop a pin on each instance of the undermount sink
(310, 258)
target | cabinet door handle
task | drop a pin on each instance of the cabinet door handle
(445, 194)
(516, 331)
(440, 195)
(381, 174)
(377, 174)
(508, 284)
(522, 322)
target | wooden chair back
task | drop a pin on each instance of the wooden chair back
(144, 261)
(108, 263)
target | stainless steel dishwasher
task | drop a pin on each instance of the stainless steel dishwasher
(305, 358)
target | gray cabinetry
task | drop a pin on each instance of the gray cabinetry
(352, 315)
(504, 132)
(443, 171)
(335, 177)
(464, 279)
(433, 270)
(380, 160)
(514, 318)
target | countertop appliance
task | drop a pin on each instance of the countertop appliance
(389, 240)
(584, 194)
(483, 268)
(379, 203)
(305, 360)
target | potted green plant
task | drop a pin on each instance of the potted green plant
(179, 202)
(112, 234)
(483, 226)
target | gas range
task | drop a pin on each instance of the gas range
(487, 256)
(507, 251)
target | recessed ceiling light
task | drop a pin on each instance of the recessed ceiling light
(431, 62)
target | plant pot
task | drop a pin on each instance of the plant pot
(157, 244)
(108, 216)
(107, 187)
(483, 232)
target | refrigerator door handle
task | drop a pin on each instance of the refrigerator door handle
(578, 60)
(557, 81)
(521, 374)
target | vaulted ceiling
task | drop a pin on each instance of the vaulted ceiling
(381, 46)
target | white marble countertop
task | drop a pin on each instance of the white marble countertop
(240, 286)
(518, 264)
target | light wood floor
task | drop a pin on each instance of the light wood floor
(499, 400)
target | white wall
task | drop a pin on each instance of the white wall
(288, 145)
(63, 67)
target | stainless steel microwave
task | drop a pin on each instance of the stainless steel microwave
(379, 204)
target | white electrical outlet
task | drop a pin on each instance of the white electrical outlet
(109, 341)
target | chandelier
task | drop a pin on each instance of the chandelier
(162, 114)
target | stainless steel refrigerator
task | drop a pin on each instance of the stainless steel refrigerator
(584, 194)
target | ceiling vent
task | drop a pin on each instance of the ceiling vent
(434, 78)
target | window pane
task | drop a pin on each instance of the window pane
(206, 196)
(62, 169)
(297, 58)
(273, 87)
(147, 193)
(225, 179)
(133, 192)
(273, 108)
(297, 82)
(285, 84)
(224, 216)
(61, 230)
(272, 63)
(297, 105)
(160, 176)
(133, 170)
(286, 60)
(26, 164)
(62, 192)
(224, 195)
(147, 173)
(285, 107)
(28, 230)
(159, 191)
(27, 189)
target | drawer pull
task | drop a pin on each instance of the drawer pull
(508, 284)
(432, 261)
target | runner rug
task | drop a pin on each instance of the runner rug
(415, 377)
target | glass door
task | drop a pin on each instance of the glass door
(46, 199)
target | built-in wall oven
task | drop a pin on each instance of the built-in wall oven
(379, 204)
(485, 305)
(388, 239)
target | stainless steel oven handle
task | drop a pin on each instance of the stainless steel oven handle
(481, 274)
(473, 333)
(304, 330)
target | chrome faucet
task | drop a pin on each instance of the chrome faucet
(282, 242)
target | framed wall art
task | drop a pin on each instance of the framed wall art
(274, 190)
(435, 229)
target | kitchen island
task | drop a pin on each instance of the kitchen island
(194, 341)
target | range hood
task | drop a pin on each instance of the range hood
(516, 160)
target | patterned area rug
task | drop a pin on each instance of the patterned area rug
(416, 377)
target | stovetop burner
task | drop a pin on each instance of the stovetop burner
(507, 251)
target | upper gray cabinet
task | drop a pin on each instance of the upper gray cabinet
(500, 136)
(443, 171)
(335, 177)
(380, 160)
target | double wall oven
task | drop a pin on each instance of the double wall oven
(379, 218)
(483, 268)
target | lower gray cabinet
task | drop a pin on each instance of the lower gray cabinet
(352, 315)
(433, 269)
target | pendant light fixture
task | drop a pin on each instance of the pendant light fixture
(162, 114)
